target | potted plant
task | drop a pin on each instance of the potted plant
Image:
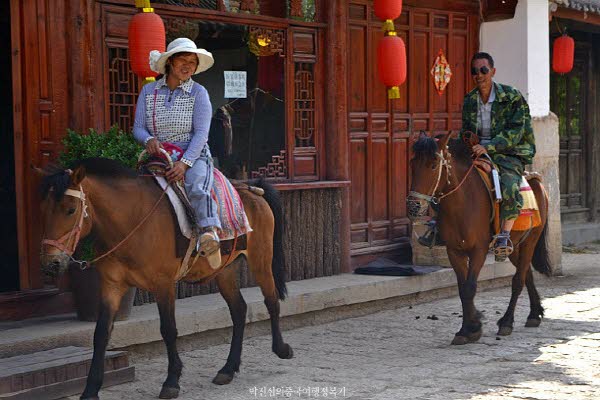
(85, 284)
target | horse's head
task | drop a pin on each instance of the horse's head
(64, 217)
(429, 158)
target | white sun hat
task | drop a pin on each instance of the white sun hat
(158, 60)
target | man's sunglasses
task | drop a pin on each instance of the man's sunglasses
(484, 70)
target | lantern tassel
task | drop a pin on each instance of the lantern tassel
(388, 25)
(394, 92)
(148, 79)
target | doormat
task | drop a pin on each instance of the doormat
(384, 266)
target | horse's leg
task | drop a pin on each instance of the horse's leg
(165, 300)
(260, 265)
(229, 289)
(470, 330)
(523, 262)
(109, 304)
(537, 311)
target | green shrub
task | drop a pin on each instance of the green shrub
(113, 144)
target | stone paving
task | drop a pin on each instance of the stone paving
(403, 354)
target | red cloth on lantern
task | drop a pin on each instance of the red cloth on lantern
(388, 9)
(146, 33)
(563, 54)
(391, 61)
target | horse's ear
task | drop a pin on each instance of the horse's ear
(444, 138)
(417, 135)
(77, 175)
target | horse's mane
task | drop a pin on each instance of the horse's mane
(58, 180)
(426, 147)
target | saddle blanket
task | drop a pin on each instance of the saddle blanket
(529, 216)
(230, 208)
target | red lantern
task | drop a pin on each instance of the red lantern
(563, 53)
(146, 33)
(388, 11)
(391, 64)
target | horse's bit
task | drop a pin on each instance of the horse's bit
(415, 200)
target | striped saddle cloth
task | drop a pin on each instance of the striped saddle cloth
(234, 222)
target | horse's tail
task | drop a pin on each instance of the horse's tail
(272, 197)
(541, 259)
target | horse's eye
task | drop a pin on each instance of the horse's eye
(433, 166)
(71, 211)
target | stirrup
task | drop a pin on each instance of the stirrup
(501, 252)
(432, 237)
(210, 248)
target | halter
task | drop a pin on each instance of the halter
(414, 198)
(64, 243)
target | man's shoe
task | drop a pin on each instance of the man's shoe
(503, 246)
(210, 247)
(431, 238)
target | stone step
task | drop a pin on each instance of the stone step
(59, 372)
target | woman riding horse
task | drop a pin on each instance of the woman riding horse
(177, 110)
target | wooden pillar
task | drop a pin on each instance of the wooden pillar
(336, 122)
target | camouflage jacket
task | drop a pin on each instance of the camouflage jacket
(511, 129)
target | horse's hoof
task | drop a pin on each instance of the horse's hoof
(459, 340)
(470, 338)
(505, 330)
(168, 393)
(533, 323)
(222, 379)
(286, 353)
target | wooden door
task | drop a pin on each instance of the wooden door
(569, 103)
(379, 129)
(40, 89)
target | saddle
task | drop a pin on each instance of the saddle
(529, 216)
(234, 222)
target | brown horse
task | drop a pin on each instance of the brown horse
(102, 198)
(438, 168)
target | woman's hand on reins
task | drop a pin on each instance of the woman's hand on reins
(153, 146)
(479, 150)
(177, 173)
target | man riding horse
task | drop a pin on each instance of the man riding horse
(499, 115)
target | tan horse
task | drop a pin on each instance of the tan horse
(102, 198)
(442, 175)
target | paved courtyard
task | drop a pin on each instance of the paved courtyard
(405, 353)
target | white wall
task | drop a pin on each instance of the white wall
(521, 51)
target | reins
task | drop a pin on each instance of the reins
(76, 230)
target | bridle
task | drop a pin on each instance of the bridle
(414, 198)
(68, 242)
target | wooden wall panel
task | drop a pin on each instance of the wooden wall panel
(40, 67)
(379, 129)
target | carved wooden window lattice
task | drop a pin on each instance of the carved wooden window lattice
(275, 169)
(304, 105)
(266, 41)
(208, 4)
(123, 89)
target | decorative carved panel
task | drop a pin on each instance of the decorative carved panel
(122, 89)
(208, 4)
(176, 27)
(266, 42)
(304, 105)
(275, 169)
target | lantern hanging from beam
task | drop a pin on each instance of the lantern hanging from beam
(146, 33)
(391, 63)
(388, 11)
(563, 54)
